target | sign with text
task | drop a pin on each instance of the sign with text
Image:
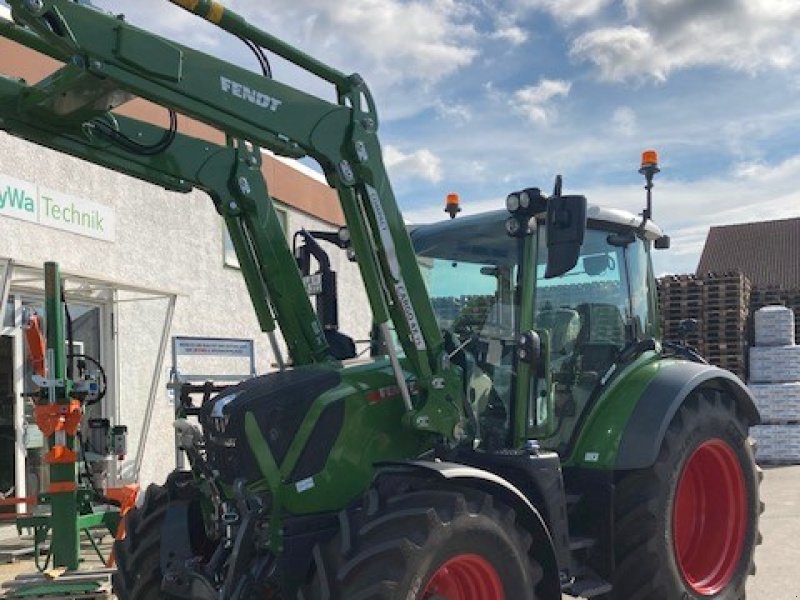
(27, 201)
(185, 346)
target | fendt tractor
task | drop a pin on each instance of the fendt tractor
(521, 431)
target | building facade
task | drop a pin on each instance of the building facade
(142, 265)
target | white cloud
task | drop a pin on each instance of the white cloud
(667, 35)
(401, 47)
(566, 10)
(535, 101)
(512, 34)
(454, 111)
(422, 164)
(783, 174)
(624, 119)
(416, 40)
(620, 53)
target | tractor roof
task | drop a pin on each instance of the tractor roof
(617, 216)
(489, 224)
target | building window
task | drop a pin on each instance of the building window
(230, 258)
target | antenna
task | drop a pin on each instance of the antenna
(649, 168)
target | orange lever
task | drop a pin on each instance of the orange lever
(37, 347)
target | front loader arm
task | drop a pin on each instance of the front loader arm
(189, 163)
(109, 62)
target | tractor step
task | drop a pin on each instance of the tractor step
(581, 543)
(589, 585)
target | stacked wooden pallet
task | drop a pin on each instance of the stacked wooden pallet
(681, 298)
(720, 303)
(726, 305)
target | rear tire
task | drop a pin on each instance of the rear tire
(687, 527)
(419, 544)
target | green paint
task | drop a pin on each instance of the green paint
(372, 432)
(599, 439)
(525, 387)
(70, 214)
(272, 478)
(55, 589)
(64, 505)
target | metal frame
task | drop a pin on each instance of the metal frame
(177, 378)
(5, 286)
(151, 400)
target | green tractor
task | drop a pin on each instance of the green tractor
(521, 432)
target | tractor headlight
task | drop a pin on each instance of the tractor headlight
(512, 203)
(513, 226)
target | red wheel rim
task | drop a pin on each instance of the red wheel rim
(465, 577)
(709, 517)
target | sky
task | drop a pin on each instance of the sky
(486, 97)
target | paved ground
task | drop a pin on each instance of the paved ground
(779, 555)
(778, 559)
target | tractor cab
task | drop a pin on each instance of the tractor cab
(585, 318)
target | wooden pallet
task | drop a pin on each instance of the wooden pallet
(721, 303)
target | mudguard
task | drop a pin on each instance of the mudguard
(663, 396)
(490, 483)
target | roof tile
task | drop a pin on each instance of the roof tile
(768, 252)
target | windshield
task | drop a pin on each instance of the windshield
(471, 297)
(469, 267)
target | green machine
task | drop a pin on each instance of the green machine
(74, 503)
(524, 431)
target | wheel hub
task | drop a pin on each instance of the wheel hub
(709, 518)
(465, 577)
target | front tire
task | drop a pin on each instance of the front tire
(138, 555)
(686, 528)
(425, 544)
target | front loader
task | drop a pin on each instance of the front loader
(527, 432)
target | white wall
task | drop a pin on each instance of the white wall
(164, 240)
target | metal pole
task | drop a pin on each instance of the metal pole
(5, 285)
(148, 417)
(273, 340)
(235, 24)
(63, 472)
(398, 370)
(20, 451)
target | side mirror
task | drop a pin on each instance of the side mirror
(530, 350)
(597, 264)
(688, 327)
(566, 228)
(663, 243)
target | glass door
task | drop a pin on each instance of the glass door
(87, 341)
